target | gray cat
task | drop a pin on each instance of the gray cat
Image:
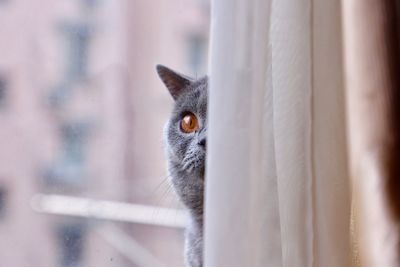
(185, 138)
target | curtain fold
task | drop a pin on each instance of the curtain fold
(372, 64)
(276, 185)
(240, 140)
(291, 82)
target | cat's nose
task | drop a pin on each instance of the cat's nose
(202, 142)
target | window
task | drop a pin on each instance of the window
(69, 168)
(91, 3)
(196, 50)
(74, 137)
(2, 202)
(77, 45)
(3, 90)
(59, 95)
(71, 239)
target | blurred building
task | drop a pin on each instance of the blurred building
(81, 114)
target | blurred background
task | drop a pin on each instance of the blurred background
(82, 169)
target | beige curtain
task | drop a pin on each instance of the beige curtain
(372, 64)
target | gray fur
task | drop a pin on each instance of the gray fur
(186, 154)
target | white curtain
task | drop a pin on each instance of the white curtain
(277, 184)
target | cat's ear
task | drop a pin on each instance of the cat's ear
(175, 82)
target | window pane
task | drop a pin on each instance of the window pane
(82, 154)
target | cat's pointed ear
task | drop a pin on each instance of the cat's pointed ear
(175, 82)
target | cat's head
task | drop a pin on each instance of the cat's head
(186, 130)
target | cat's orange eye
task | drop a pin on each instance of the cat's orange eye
(189, 123)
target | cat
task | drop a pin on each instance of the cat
(185, 137)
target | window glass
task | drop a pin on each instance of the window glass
(3, 91)
(81, 151)
(2, 203)
(72, 241)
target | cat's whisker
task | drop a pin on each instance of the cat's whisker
(166, 192)
(163, 181)
(163, 199)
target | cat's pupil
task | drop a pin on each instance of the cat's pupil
(189, 123)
